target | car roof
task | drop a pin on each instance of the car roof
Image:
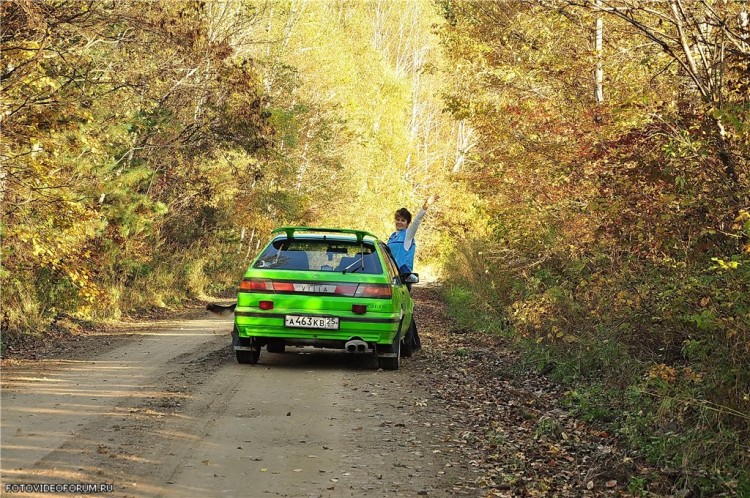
(311, 232)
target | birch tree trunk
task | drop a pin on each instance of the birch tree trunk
(599, 91)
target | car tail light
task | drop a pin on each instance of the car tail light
(256, 285)
(346, 290)
(283, 286)
(359, 309)
(373, 290)
(266, 305)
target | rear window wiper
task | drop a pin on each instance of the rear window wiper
(360, 262)
(267, 261)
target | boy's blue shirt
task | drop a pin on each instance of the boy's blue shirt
(400, 239)
(404, 259)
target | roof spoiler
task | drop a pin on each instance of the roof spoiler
(290, 231)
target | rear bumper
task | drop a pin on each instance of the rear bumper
(379, 328)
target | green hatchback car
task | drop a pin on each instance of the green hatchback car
(326, 288)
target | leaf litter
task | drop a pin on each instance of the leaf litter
(508, 423)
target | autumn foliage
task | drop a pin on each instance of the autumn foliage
(149, 147)
(618, 237)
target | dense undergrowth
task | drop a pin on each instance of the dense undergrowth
(657, 353)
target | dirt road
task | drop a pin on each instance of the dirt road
(163, 409)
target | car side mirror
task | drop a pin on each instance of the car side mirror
(410, 278)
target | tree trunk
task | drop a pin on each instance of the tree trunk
(599, 91)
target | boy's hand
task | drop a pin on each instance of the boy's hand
(430, 201)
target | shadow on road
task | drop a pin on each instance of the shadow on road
(315, 359)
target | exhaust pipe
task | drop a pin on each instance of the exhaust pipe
(356, 346)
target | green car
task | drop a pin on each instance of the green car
(326, 288)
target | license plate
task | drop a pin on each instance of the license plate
(312, 322)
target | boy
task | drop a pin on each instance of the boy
(401, 242)
(402, 245)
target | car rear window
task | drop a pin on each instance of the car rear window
(320, 255)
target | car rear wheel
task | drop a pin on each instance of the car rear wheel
(392, 361)
(408, 343)
(247, 357)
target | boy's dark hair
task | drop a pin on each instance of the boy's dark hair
(405, 214)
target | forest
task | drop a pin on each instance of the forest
(592, 159)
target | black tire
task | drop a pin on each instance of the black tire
(391, 362)
(276, 347)
(407, 343)
(247, 357)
